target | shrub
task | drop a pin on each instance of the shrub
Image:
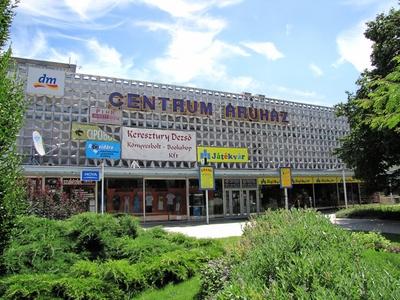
(301, 255)
(373, 211)
(44, 286)
(372, 240)
(214, 276)
(56, 204)
(38, 245)
(94, 235)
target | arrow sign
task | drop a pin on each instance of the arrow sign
(79, 132)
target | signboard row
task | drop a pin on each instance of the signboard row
(152, 144)
(275, 180)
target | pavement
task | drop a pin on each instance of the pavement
(228, 228)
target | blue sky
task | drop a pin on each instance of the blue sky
(305, 51)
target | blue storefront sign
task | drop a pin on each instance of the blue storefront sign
(99, 150)
(90, 175)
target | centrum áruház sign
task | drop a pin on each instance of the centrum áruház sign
(207, 180)
(192, 107)
(221, 154)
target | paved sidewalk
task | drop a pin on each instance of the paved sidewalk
(235, 228)
(386, 226)
(219, 230)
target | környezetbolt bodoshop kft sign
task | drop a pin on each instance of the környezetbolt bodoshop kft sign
(154, 144)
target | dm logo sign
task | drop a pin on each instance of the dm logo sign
(100, 150)
(45, 82)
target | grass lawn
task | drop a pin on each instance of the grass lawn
(384, 260)
(182, 291)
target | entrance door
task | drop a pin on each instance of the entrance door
(252, 200)
(232, 202)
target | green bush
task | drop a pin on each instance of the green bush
(94, 235)
(372, 211)
(301, 255)
(44, 286)
(372, 240)
(38, 245)
(91, 256)
(214, 276)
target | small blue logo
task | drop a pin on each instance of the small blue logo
(99, 150)
(205, 154)
(90, 175)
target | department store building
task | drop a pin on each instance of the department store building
(152, 138)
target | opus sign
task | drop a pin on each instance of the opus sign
(153, 144)
(84, 132)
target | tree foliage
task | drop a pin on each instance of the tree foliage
(12, 106)
(373, 146)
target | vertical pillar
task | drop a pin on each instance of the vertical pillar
(187, 199)
(313, 193)
(344, 188)
(144, 199)
(286, 199)
(102, 187)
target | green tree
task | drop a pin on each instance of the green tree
(373, 146)
(12, 107)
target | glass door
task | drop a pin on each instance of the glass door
(252, 196)
(235, 196)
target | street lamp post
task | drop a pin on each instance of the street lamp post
(344, 187)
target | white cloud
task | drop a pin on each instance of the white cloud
(61, 10)
(185, 8)
(354, 48)
(297, 95)
(267, 49)
(194, 52)
(93, 57)
(316, 70)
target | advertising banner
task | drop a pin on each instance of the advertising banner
(99, 150)
(45, 82)
(326, 179)
(105, 116)
(207, 181)
(303, 180)
(286, 177)
(350, 179)
(221, 154)
(268, 181)
(84, 132)
(153, 144)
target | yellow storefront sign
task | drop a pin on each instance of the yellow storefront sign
(350, 179)
(268, 181)
(222, 154)
(207, 181)
(84, 132)
(307, 180)
(286, 177)
(326, 179)
(303, 180)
